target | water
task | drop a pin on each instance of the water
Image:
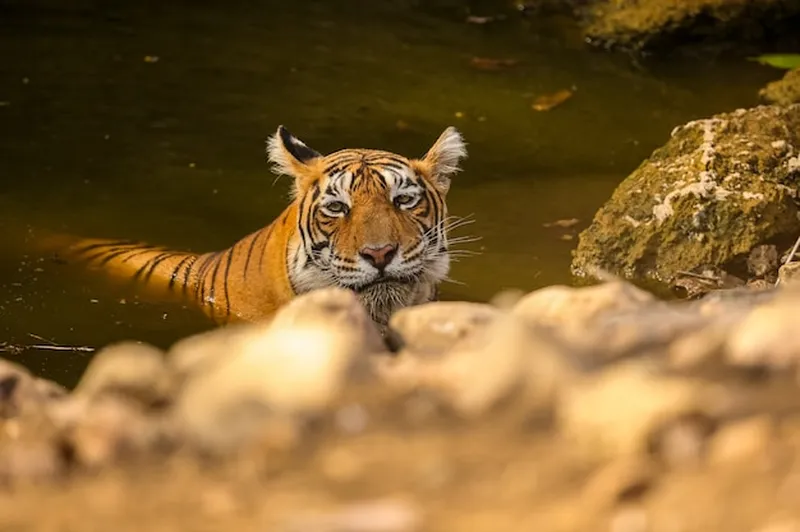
(96, 140)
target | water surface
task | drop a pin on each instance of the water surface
(147, 121)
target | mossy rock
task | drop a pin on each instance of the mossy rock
(785, 91)
(649, 23)
(718, 188)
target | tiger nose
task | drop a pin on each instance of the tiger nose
(379, 257)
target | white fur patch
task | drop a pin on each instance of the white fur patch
(280, 158)
(447, 152)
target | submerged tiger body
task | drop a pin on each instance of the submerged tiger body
(367, 220)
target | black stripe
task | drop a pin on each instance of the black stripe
(136, 254)
(176, 270)
(267, 234)
(225, 284)
(186, 275)
(152, 264)
(200, 289)
(111, 256)
(104, 253)
(212, 292)
(114, 243)
(250, 252)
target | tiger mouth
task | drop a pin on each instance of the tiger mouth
(383, 280)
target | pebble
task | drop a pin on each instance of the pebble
(432, 329)
(382, 515)
(682, 442)
(741, 440)
(768, 335)
(789, 274)
(622, 480)
(508, 356)
(101, 431)
(616, 411)
(21, 393)
(128, 369)
(562, 305)
(297, 365)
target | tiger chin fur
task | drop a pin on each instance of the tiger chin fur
(367, 220)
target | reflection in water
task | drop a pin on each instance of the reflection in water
(147, 121)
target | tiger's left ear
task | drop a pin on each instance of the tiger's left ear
(290, 155)
(444, 156)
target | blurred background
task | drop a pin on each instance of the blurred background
(147, 120)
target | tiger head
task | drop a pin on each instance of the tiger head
(370, 221)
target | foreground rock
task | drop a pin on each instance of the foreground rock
(717, 189)
(651, 23)
(785, 91)
(597, 408)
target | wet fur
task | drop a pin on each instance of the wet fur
(310, 246)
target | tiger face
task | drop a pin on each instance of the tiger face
(370, 221)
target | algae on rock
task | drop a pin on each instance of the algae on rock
(718, 188)
(785, 91)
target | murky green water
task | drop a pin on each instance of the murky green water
(97, 141)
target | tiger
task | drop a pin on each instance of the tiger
(370, 221)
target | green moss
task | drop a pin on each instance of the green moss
(785, 91)
(717, 189)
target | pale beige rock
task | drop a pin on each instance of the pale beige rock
(50, 390)
(780, 525)
(682, 442)
(618, 480)
(510, 355)
(562, 305)
(21, 392)
(297, 364)
(741, 440)
(379, 515)
(705, 345)
(768, 335)
(28, 449)
(31, 461)
(100, 430)
(480, 366)
(759, 284)
(130, 369)
(615, 412)
(340, 464)
(789, 274)
(433, 328)
(632, 518)
(507, 299)
(200, 351)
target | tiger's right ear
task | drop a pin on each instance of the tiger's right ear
(290, 156)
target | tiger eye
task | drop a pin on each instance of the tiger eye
(402, 200)
(336, 207)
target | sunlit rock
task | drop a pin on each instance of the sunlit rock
(718, 188)
(294, 366)
(615, 412)
(768, 336)
(126, 369)
(784, 91)
(789, 273)
(567, 306)
(747, 439)
(433, 328)
(21, 392)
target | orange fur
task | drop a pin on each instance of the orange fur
(345, 206)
